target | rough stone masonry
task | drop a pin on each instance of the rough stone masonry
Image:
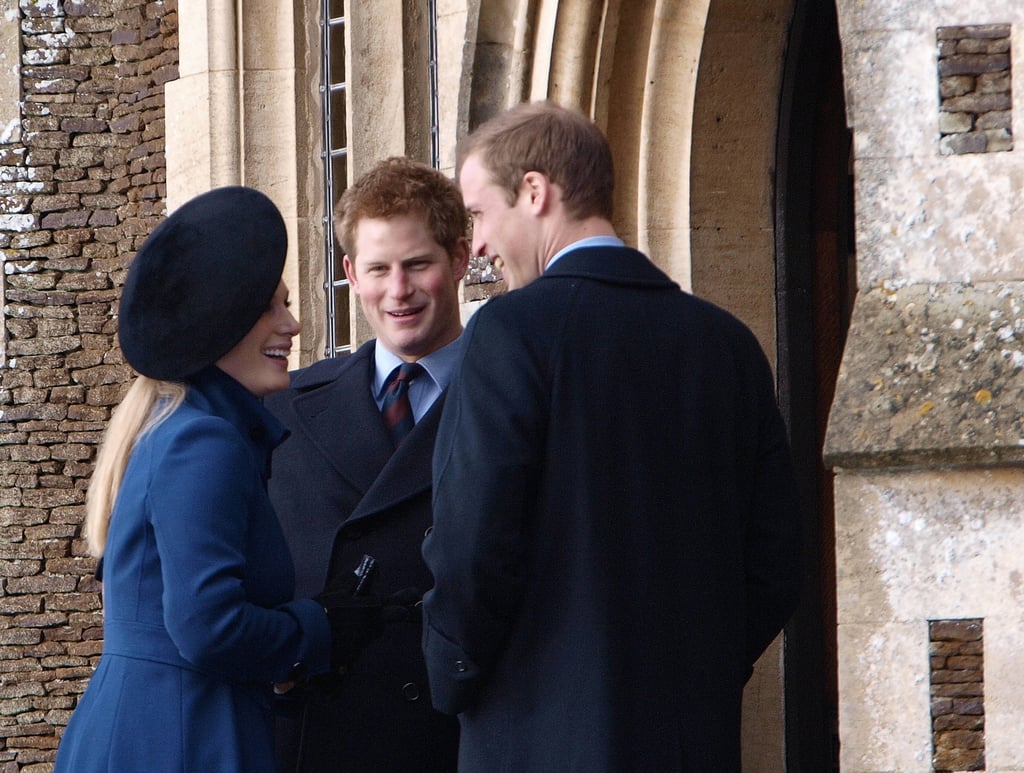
(80, 188)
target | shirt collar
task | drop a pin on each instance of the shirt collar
(590, 241)
(439, 364)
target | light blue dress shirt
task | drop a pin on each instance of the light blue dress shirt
(423, 390)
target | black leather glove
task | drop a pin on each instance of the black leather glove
(355, 620)
(402, 606)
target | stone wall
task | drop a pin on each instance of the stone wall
(975, 94)
(78, 193)
(925, 433)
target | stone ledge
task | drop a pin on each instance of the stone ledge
(932, 377)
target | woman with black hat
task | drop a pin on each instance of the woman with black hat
(198, 581)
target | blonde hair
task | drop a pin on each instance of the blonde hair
(147, 403)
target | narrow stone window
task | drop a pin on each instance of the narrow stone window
(975, 113)
(10, 133)
(10, 72)
(958, 694)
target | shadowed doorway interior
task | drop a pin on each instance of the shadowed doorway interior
(816, 284)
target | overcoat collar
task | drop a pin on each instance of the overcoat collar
(225, 397)
(342, 421)
(619, 265)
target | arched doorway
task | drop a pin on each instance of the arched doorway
(732, 163)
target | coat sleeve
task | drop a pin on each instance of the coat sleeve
(205, 501)
(772, 538)
(490, 443)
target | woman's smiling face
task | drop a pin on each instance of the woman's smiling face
(259, 362)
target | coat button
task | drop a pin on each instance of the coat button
(410, 691)
(427, 532)
(461, 666)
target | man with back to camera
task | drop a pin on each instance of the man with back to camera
(348, 483)
(616, 531)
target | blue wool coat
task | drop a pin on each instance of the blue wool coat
(616, 530)
(198, 617)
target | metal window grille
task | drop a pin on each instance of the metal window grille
(435, 109)
(333, 90)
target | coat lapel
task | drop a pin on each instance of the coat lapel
(408, 471)
(343, 423)
(341, 416)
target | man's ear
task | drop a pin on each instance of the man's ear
(350, 273)
(460, 259)
(539, 189)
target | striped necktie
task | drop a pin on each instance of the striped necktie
(395, 406)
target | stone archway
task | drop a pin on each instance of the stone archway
(689, 99)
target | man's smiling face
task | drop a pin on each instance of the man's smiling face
(407, 283)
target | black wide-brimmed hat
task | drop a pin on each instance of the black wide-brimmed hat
(201, 281)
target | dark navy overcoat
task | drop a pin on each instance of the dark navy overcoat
(197, 589)
(616, 535)
(341, 491)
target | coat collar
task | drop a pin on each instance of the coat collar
(225, 397)
(618, 265)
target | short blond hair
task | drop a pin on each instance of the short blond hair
(563, 144)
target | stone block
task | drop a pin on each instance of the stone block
(67, 395)
(104, 374)
(999, 140)
(87, 413)
(947, 722)
(43, 346)
(875, 672)
(977, 103)
(960, 144)
(959, 760)
(106, 395)
(19, 223)
(85, 26)
(19, 636)
(974, 31)
(77, 602)
(994, 83)
(955, 630)
(14, 604)
(956, 676)
(52, 498)
(996, 119)
(973, 64)
(950, 123)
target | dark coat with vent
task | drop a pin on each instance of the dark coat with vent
(340, 492)
(616, 535)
